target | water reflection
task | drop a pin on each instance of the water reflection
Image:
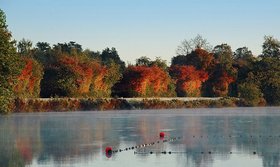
(79, 139)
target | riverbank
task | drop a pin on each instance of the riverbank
(91, 104)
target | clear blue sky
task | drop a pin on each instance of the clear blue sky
(152, 28)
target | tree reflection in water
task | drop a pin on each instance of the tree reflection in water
(72, 137)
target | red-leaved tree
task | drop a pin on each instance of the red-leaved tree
(144, 81)
(88, 77)
(221, 84)
(28, 82)
(188, 80)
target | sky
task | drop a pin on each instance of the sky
(151, 28)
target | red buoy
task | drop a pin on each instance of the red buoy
(161, 134)
(108, 152)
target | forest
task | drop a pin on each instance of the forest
(67, 70)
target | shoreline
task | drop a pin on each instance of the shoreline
(25, 105)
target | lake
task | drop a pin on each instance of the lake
(192, 137)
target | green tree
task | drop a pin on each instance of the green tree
(143, 61)
(179, 60)
(71, 48)
(271, 47)
(223, 56)
(113, 76)
(244, 62)
(267, 71)
(250, 93)
(43, 46)
(267, 76)
(43, 53)
(24, 47)
(272, 92)
(10, 64)
(159, 63)
(243, 53)
(109, 55)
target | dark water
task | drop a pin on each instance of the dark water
(209, 137)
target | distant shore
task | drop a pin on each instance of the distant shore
(101, 104)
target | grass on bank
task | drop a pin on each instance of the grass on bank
(91, 104)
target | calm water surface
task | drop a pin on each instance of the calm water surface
(209, 137)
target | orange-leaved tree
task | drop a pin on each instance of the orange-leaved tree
(88, 77)
(145, 81)
(76, 76)
(188, 80)
(28, 82)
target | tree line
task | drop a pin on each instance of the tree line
(198, 69)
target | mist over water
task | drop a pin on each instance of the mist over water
(202, 137)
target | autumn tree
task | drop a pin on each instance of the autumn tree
(20, 73)
(220, 85)
(199, 58)
(111, 59)
(202, 61)
(58, 79)
(29, 80)
(77, 74)
(10, 65)
(145, 81)
(188, 80)
(68, 77)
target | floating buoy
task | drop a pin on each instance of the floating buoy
(161, 135)
(108, 152)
